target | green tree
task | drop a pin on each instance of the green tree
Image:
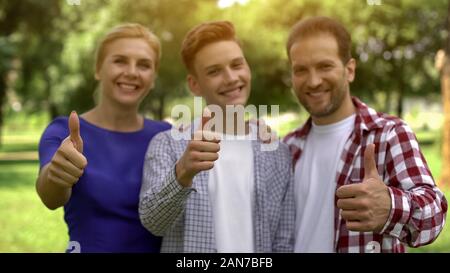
(21, 24)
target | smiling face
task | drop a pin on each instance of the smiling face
(127, 72)
(320, 79)
(221, 74)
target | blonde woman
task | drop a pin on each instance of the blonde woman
(92, 165)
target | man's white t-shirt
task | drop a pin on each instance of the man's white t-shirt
(315, 186)
(231, 190)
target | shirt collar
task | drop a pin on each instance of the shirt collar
(365, 121)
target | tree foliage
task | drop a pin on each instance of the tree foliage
(394, 44)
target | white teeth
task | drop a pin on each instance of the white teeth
(128, 86)
(317, 94)
(231, 91)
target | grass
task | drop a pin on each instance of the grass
(27, 226)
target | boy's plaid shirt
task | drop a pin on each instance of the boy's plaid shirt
(418, 207)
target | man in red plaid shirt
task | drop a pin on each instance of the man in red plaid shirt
(361, 182)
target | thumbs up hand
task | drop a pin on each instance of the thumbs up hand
(365, 206)
(200, 154)
(68, 163)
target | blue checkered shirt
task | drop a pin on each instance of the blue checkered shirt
(183, 216)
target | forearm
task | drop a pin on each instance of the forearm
(52, 195)
(417, 216)
(418, 207)
(160, 208)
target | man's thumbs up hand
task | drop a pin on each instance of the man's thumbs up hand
(365, 206)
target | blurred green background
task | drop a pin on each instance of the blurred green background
(46, 69)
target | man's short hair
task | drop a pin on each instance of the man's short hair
(320, 25)
(202, 35)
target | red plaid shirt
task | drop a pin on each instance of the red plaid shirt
(418, 207)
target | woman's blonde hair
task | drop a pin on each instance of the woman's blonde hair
(128, 30)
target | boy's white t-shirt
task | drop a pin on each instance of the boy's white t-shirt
(315, 186)
(231, 192)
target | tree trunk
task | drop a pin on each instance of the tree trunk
(401, 90)
(52, 108)
(387, 105)
(444, 67)
(445, 86)
(2, 101)
(162, 101)
(400, 103)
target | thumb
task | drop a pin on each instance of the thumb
(370, 166)
(74, 128)
(206, 116)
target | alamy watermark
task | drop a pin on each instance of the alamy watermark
(374, 2)
(73, 247)
(373, 247)
(237, 118)
(74, 2)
